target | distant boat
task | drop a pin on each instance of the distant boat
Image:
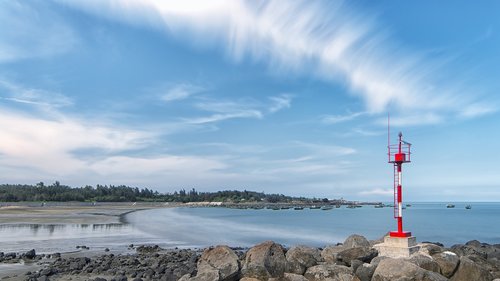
(276, 208)
(315, 207)
(326, 208)
(298, 208)
(285, 208)
(408, 205)
(450, 206)
(379, 206)
(468, 207)
(337, 206)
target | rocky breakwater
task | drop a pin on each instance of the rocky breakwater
(353, 260)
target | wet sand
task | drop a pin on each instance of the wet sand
(73, 213)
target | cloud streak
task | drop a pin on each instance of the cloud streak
(329, 40)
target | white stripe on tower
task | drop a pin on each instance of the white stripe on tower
(400, 207)
(399, 178)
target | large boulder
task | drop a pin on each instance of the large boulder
(356, 240)
(220, 259)
(425, 261)
(468, 270)
(399, 269)
(329, 254)
(264, 261)
(365, 272)
(447, 261)
(329, 272)
(299, 258)
(364, 254)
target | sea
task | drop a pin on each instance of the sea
(201, 227)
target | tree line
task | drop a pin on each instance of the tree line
(122, 193)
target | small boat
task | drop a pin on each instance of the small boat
(408, 205)
(326, 208)
(315, 207)
(468, 207)
(337, 206)
(298, 208)
(275, 208)
(285, 208)
(450, 206)
(379, 206)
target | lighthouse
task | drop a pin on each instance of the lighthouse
(399, 153)
(398, 243)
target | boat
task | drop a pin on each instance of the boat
(326, 208)
(285, 208)
(315, 207)
(276, 208)
(408, 205)
(337, 206)
(379, 206)
(450, 206)
(468, 207)
(298, 208)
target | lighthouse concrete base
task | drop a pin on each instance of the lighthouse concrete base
(397, 247)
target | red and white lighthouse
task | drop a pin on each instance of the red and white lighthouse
(398, 154)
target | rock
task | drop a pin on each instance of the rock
(468, 270)
(247, 279)
(329, 254)
(327, 272)
(221, 259)
(424, 261)
(468, 250)
(79, 263)
(447, 261)
(430, 249)
(293, 277)
(106, 250)
(376, 260)
(365, 272)
(10, 256)
(299, 258)
(264, 261)
(355, 264)
(99, 279)
(356, 240)
(364, 254)
(398, 269)
(31, 254)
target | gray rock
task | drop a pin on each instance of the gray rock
(430, 249)
(355, 264)
(356, 240)
(264, 261)
(399, 269)
(329, 254)
(290, 277)
(299, 258)
(221, 259)
(327, 272)
(468, 270)
(365, 272)
(364, 254)
(31, 254)
(448, 262)
(424, 261)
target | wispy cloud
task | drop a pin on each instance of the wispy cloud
(224, 110)
(180, 92)
(334, 119)
(33, 96)
(280, 102)
(329, 40)
(32, 30)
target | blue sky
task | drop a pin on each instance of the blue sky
(277, 96)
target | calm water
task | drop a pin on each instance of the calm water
(199, 227)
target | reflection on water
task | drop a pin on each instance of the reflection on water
(64, 237)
